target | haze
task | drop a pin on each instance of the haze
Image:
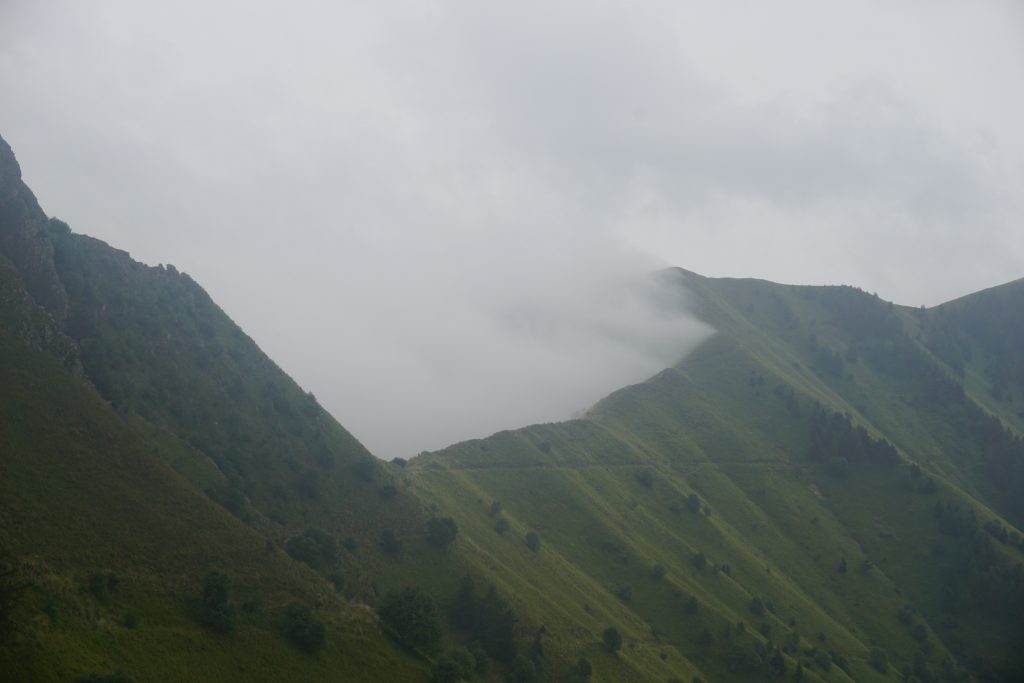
(441, 217)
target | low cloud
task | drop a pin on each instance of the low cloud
(440, 217)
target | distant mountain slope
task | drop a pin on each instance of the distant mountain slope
(112, 376)
(826, 490)
(112, 547)
(815, 455)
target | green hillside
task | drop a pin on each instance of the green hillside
(815, 455)
(825, 490)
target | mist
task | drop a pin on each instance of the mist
(442, 218)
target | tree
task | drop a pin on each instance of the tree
(532, 540)
(412, 617)
(215, 610)
(389, 543)
(303, 629)
(612, 639)
(699, 561)
(314, 547)
(584, 669)
(455, 665)
(523, 670)
(879, 659)
(441, 531)
(691, 606)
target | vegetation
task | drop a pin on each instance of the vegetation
(303, 629)
(412, 617)
(863, 461)
(215, 610)
(612, 639)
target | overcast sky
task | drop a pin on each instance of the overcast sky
(438, 216)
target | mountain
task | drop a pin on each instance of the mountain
(146, 442)
(814, 487)
(825, 490)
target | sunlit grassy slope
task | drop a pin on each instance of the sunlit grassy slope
(854, 545)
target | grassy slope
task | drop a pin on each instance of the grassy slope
(720, 425)
(85, 495)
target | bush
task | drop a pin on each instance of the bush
(412, 617)
(879, 659)
(389, 543)
(314, 547)
(454, 666)
(612, 639)
(584, 669)
(501, 526)
(658, 572)
(215, 610)
(102, 584)
(692, 605)
(303, 629)
(441, 531)
(523, 670)
(693, 503)
(699, 561)
(532, 540)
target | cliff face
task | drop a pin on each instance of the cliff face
(33, 301)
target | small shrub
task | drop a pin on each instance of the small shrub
(658, 572)
(101, 585)
(584, 669)
(693, 503)
(412, 617)
(389, 543)
(523, 670)
(879, 659)
(441, 532)
(757, 607)
(612, 639)
(699, 561)
(303, 629)
(532, 540)
(454, 666)
(215, 610)
(501, 525)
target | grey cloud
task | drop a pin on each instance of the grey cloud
(440, 216)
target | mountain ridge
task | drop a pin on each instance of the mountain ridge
(823, 489)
